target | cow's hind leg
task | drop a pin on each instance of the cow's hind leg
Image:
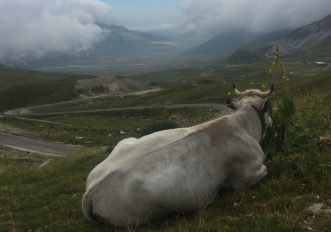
(246, 177)
(256, 176)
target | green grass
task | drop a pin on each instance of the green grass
(49, 198)
(44, 199)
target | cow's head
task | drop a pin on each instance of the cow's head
(253, 92)
(258, 100)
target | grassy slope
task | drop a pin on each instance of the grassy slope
(48, 199)
(322, 52)
(20, 88)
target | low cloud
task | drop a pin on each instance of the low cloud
(30, 29)
(256, 15)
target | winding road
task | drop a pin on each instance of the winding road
(36, 146)
(27, 111)
(57, 149)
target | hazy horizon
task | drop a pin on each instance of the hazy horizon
(34, 28)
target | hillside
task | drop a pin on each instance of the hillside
(224, 44)
(243, 56)
(19, 87)
(220, 45)
(306, 39)
(310, 41)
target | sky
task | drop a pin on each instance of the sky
(209, 15)
(146, 14)
(31, 29)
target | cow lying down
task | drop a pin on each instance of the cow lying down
(180, 170)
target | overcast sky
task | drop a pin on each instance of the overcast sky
(211, 15)
(32, 28)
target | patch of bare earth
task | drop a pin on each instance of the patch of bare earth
(109, 84)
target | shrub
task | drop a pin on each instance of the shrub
(284, 134)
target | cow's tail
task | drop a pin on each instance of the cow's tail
(87, 206)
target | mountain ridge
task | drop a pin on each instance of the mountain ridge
(119, 42)
(291, 42)
(305, 38)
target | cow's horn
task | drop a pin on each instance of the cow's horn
(267, 93)
(236, 91)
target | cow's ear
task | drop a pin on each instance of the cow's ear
(267, 105)
(233, 104)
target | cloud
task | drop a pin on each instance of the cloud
(255, 15)
(31, 29)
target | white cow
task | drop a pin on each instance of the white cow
(179, 170)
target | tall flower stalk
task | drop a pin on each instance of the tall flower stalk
(272, 70)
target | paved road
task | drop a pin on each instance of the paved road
(27, 144)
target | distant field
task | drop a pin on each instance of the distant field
(176, 74)
(116, 66)
(179, 93)
(19, 88)
(213, 86)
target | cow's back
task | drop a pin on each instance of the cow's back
(158, 173)
(132, 150)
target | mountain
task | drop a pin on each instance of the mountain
(220, 45)
(267, 39)
(224, 44)
(243, 56)
(121, 41)
(312, 42)
(307, 40)
(119, 45)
